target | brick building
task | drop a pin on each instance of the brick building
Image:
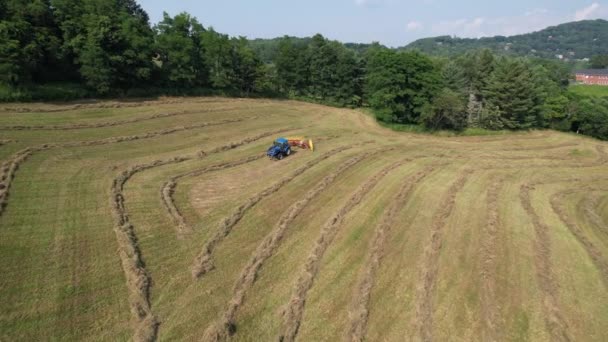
(592, 76)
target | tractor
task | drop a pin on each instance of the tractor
(279, 149)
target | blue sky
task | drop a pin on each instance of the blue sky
(391, 22)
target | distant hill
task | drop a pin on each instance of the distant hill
(575, 40)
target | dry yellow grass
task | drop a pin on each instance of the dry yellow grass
(377, 235)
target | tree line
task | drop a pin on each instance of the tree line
(108, 47)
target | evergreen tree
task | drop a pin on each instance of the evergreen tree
(511, 91)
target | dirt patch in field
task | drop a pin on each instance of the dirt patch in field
(220, 330)
(204, 262)
(294, 309)
(359, 316)
(423, 319)
(554, 320)
(594, 253)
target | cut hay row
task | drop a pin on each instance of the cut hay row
(294, 309)
(112, 123)
(9, 168)
(591, 204)
(226, 324)
(154, 134)
(112, 104)
(423, 318)
(594, 253)
(603, 155)
(204, 261)
(359, 316)
(138, 280)
(539, 148)
(488, 255)
(554, 320)
(6, 141)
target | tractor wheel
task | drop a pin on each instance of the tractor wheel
(280, 156)
(288, 152)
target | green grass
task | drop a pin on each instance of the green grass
(589, 90)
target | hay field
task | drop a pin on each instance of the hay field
(162, 220)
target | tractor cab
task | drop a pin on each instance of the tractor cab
(279, 149)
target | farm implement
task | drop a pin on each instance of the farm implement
(282, 146)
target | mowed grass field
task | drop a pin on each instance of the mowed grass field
(590, 90)
(163, 220)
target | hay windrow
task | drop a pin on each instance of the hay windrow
(423, 317)
(294, 309)
(554, 320)
(94, 104)
(590, 207)
(204, 262)
(361, 298)
(138, 280)
(594, 253)
(227, 322)
(488, 255)
(9, 169)
(111, 123)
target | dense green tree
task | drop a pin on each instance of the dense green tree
(447, 111)
(599, 61)
(399, 85)
(591, 117)
(218, 54)
(453, 78)
(111, 41)
(511, 90)
(29, 41)
(246, 67)
(292, 66)
(180, 52)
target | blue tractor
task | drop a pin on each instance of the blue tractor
(279, 149)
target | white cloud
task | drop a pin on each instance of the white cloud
(587, 12)
(414, 26)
